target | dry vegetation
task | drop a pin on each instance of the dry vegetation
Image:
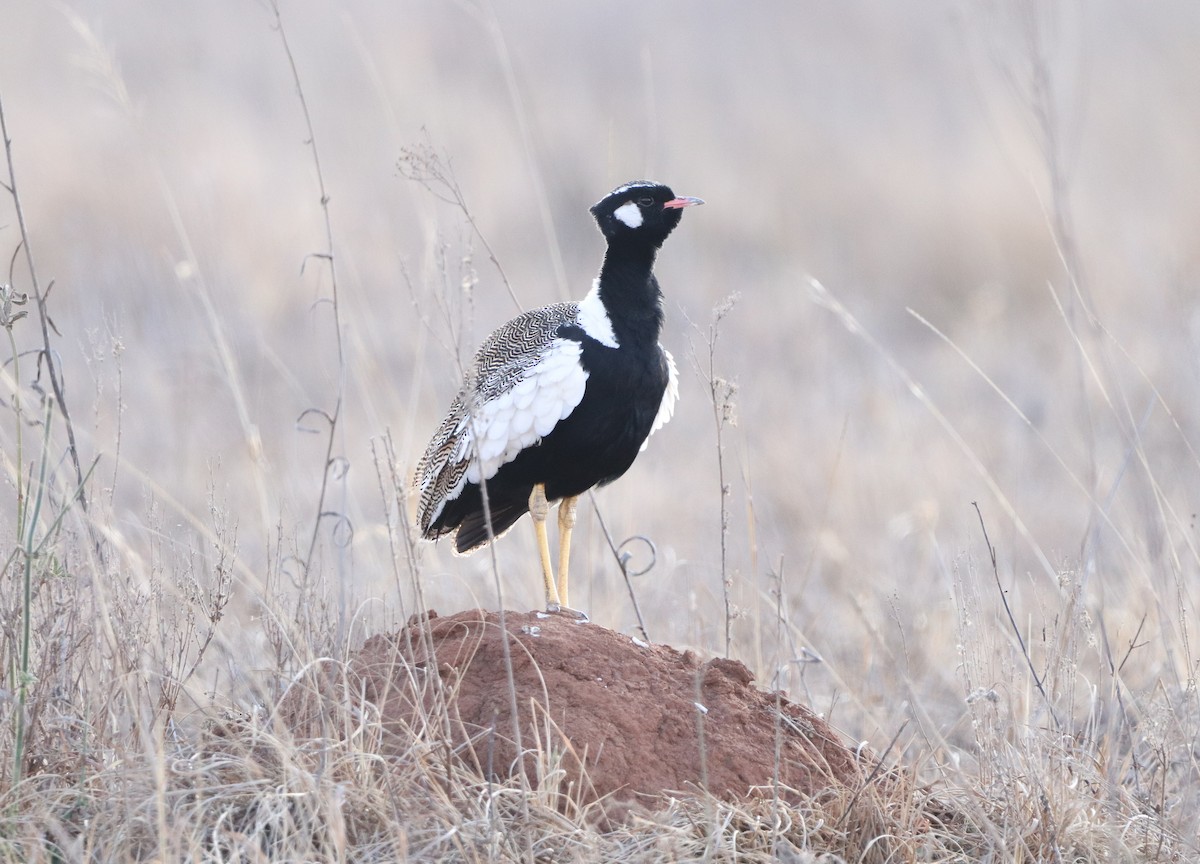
(950, 502)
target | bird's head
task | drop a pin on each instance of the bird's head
(640, 211)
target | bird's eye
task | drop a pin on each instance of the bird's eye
(645, 202)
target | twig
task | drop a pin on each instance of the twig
(777, 753)
(1012, 620)
(331, 417)
(23, 676)
(721, 392)
(47, 353)
(622, 559)
(424, 165)
(875, 772)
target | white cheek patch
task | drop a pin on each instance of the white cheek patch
(630, 214)
(594, 320)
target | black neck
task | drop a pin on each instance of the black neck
(630, 292)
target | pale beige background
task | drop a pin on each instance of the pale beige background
(908, 155)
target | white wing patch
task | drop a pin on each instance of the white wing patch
(666, 408)
(500, 428)
(593, 318)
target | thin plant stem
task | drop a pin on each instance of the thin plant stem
(8, 320)
(422, 164)
(30, 551)
(47, 355)
(622, 559)
(1012, 621)
(721, 393)
(331, 417)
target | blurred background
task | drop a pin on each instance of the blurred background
(999, 202)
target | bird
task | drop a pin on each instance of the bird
(561, 398)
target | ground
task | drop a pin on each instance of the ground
(604, 716)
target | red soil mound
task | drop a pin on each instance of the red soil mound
(626, 721)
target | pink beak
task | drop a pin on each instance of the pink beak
(681, 202)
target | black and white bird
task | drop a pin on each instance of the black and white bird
(561, 398)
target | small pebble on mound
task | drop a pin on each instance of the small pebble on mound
(627, 722)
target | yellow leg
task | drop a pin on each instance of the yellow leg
(566, 523)
(538, 509)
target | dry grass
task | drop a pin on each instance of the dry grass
(999, 203)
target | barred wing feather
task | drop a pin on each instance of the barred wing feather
(525, 379)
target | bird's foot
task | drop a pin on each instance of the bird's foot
(557, 608)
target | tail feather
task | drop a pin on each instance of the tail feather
(472, 531)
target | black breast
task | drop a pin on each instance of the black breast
(599, 440)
